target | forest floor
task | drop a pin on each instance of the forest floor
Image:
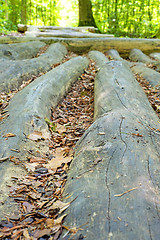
(39, 193)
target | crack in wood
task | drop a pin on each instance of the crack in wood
(107, 186)
(149, 230)
(120, 132)
(121, 101)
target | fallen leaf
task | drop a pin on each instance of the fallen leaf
(35, 136)
(37, 160)
(30, 166)
(41, 233)
(58, 159)
(26, 234)
(60, 206)
(28, 206)
(60, 128)
(53, 222)
(9, 135)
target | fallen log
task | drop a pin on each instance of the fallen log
(21, 50)
(152, 76)
(65, 34)
(156, 56)
(113, 54)
(98, 57)
(24, 28)
(114, 177)
(83, 45)
(14, 73)
(27, 111)
(136, 55)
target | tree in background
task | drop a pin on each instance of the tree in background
(85, 14)
(131, 18)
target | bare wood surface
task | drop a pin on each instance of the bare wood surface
(115, 171)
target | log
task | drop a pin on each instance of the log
(27, 111)
(136, 55)
(114, 176)
(21, 50)
(65, 34)
(84, 45)
(14, 73)
(113, 54)
(156, 56)
(98, 57)
(77, 29)
(45, 28)
(152, 76)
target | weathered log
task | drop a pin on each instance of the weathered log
(98, 57)
(45, 28)
(136, 55)
(152, 76)
(113, 54)
(21, 50)
(13, 73)
(115, 173)
(27, 111)
(66, 34)
(123, 45)
(156, 56)
(77, 29)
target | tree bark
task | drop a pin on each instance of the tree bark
(18, 71)
(137, 55)
(84, 45)
(114, 175)
(85, 14)
(21, 50)
(27, 111)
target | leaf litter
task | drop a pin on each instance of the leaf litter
(39, 193)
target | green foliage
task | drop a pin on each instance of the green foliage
(127, 18)
(7, 25)
(123, 18)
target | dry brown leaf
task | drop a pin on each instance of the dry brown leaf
(35, 136)
(53, 222)
(41, 233)
(60, 128)
(28, 206)
(56, 228)
(37, 160)
(58, 159)
(30, 166)
(59, 205)
(26, 234)
(9, 135)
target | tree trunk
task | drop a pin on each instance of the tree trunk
(6, 9)
(114, 176)
(85, 14)
(23, 11)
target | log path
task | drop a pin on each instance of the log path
(113, 180)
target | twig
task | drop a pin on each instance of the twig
(120, 195)
(4, 159)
